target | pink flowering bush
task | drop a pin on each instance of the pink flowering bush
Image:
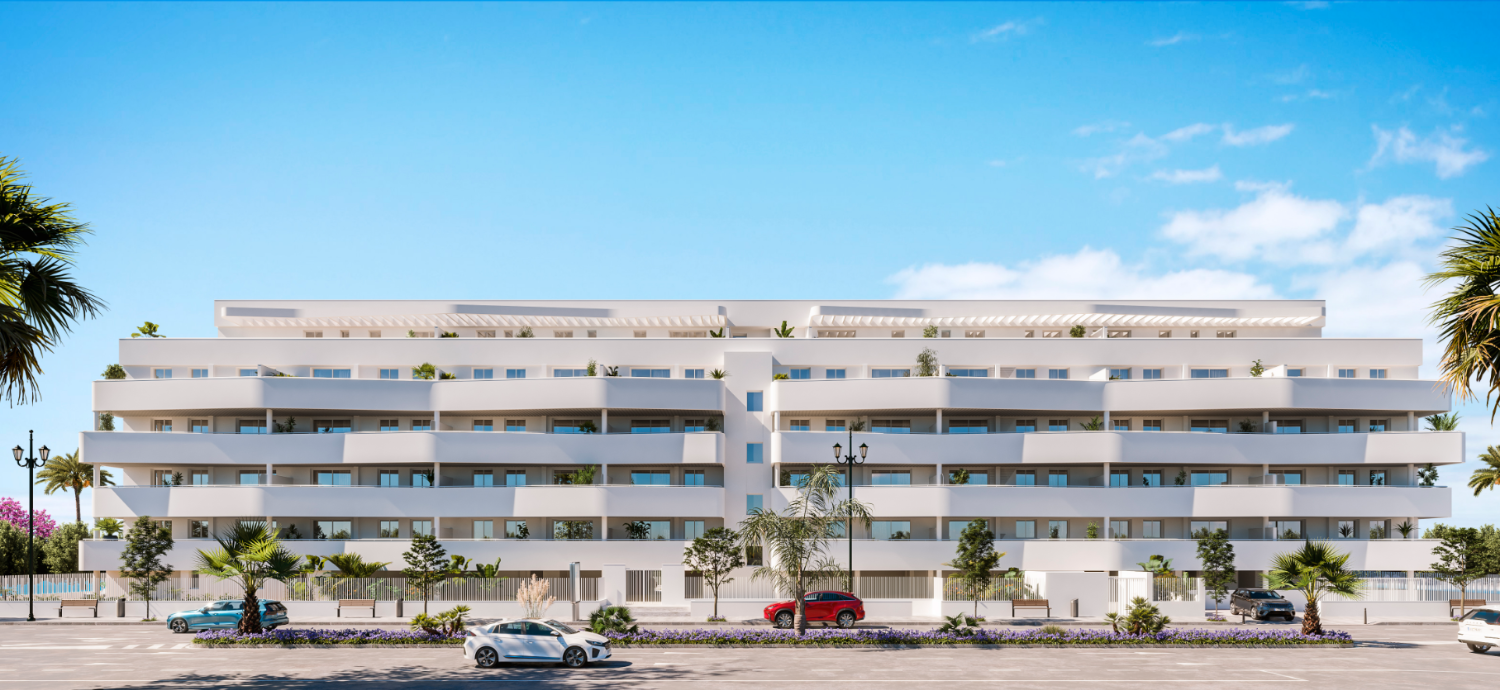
(11, 511)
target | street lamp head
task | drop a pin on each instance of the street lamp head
(44, 453)
(19, 451)
(838, 451)
(863, 450)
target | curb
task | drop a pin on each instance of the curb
(1336, 645)
(327, 646)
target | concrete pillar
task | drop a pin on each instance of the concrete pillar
(270, 472)
(776, 420)
(437, 420)
(1108, 532)
(437, 474)
(1107, 481)
(939, 478)
(603, 421)
(1411, 421)
(939, 421)
(1265, 421)
(270, 422)
(1107, 427)
(673, 585)
(1411, 476)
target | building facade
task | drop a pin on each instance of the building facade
(1089, 435)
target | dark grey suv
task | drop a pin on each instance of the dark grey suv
(1261, 604)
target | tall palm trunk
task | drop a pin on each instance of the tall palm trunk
(800, 622)
(1312, 624)
(78, 503)
(250, 617)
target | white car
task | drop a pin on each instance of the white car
(1480, 628)
(533, 640)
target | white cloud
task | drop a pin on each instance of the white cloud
(1259, 186)
(1442, 148)
(1088, 274)
(1397, 223)
(1138, 149)
(1275, 225)
(1173, 40)
(1097, 127)
(1252, 137)
(1296, 76)
(1014, 27)
(1187, 133)
(1188, 176)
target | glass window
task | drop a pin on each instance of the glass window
(834, 373)
(484, 478)
(332, 426)
(249, 372)
(573, 373)
(199, 426)
(976, 477)
(649, 373)
(199, 529)
(1377, 373)
(390, 425)
(390, 374)
(1346, 426)
(484, 374)
(1150, 425)
(692, 477)
(515, 477)
(1209, 477)
(1057, 529)
(1151, 374)
(1379, 425)
(330, 373)
(1294, 373)
(650, 426)
(514, 425)
(1377, 477)
(650, 478)
(971, 373)
(161, 425)
(515, 373)
(1119, 477)
(421, 425)
(1057, 477)
(1119, 529)
(1210, 373)
(1346, 373)
(692, 374)
(390, 477)
(1286, 529)
(421, 477)
(890, 529)
(1151, 529)
(1213, 426)
(833, 425)
(891, 426)
(422, 527)
(162, 373)
(1057, 373)
(800, 374)
(1025, 425)
(1288, 477)
(1347, 530)
(1150, 477)
(755, 453)
(690, 425)
(483, 425)
(333, 529)
(1119, 374)
(969, 426)
(754, 503)
(332, 477)
(252, 426)
(1026, 478)
(1346, 477)
(1120, 424)
(753, 401)
(390, 529)
(1025, 373)
(890, 478)
(484, 529)
(799, 424)
(200, 373)
(1057, 425)
(692, 529)
(1196, 527)
(202, 478)
(889, 373)
(1288, 426)
(1026, 529)
(516, 529)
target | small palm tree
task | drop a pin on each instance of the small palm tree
(1469, 316)
(1317, 569)
(1486, 477)
(354, 565)
(66, 472)
(1442, 422)
(250, 554)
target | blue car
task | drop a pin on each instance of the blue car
(226, 614)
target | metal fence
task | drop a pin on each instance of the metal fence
(1000, 589)
(304, 588)
(741, 587)
(1175, 588)
(1123, 590)
(48, 587)
(642, 586)
(1425, 589)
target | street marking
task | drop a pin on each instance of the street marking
(130, 646)
(180, 645)
(57, 646)
(155, 646)
(1283, 675)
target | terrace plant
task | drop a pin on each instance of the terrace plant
(148, 330)
(588, 427)
(714, 556)
(249, 553)
(1316, 570)
(929, 332)
(718, 374)
(959, 477)
(927, 362)
(1247, 426)
(425, 372)
(1092, 531)
(780, 377)
(785, 331)
(109, 526)
(287, 428)
(1076, 331)
(106, 421)
(717, 334)
(1094, 424)
(525, 332)
(1406, 528)
(1427, 476)
(445, 376)
(1256, 369)
(712, 424)
(1159, 566)
(593, 367)
(1141, 618)
(114, 372)
(638, 529)
(446, 334)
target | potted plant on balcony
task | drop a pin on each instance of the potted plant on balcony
(712, 424)
(1094, 424)
(106, 421)
(717, 334)
(525, 332)
(929, 332)
(114, 372)
(593, 368)
(1256, 369)
(779, 377)
(426, 372)
(637, 529)
(588, 427)
(785, 331)
(110, 527)
(927, 362)
(1092, 532)
(718, 373)
(959, 477)
(1076, 331)
(1427, 476)
(445, 376)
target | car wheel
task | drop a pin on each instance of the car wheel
(1478, 648)
(784, 619)
(846, 619)
(486, 657)
(575, 658)
(178, 625)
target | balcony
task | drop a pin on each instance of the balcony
(1178, 395)
(375, 395)
(615, 501)
(402, 447)
(1138, 447)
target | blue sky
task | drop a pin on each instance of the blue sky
(780, 150)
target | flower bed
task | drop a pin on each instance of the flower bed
(863, 636)
(339, 636)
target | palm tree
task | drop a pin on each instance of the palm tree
(1442, 422)
(66, 472)
(1486, 477)
(796, 538)
(1317, 569)
(39, 302)
(354, 565)
(1469, 316)
(250, 554)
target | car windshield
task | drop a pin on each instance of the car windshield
(1263, 595)
(566, 630)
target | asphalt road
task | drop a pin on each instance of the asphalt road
(147, 657)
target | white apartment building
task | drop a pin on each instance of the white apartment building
(310, 414)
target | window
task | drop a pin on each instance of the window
(515, 373)
(374, 334)
(692, 529)
(834, 373)
(1210, 373)
(1347, 530)
(421, 477)
(390, 374)
(1120, 424)
(252, 426)
(422, 527)
(650, 478)
(161, 425)
(568, 426)
(1346, 426)
(390, 477)
(1223, 334)
(515, 477)
(800, 374)
(1151, 529)
(1119, 477)
(330, 373)
(890, 426)
(1192, 334)
(898, 334)
(1377, 477)
(1288, 426)
(969, 426)
(1057, 529)
(753, 401)
(833, 425)
(514, 425)
(1057, 477)
(1213, 426)
(331, 426)
(1116, 334)
(693, 477)
(889, 373)
(199, 529)
(1057, 374)
(1051, 334)
(1025, 478)
(973, 334)
(1151, 374)
(1150, 425)
(202, 478)
(312, 334)
(1346, 373)
(483, 425)
(200, 373)
(1119, 529)
(1288, 477)
(491, 334)
(1026, 529)
(1119, 374)
(249, 372)
(799, 424)
(199, 426)
(1163, 334)
(650, 426)
(390, 529)
(390, 425)
(976, 477)
(1346, 477)
(692, 373)
(1377, 373)
(755, 453)
(484, 529)
(640, 334)
(1025, 425)
(946, 334)
(562, 334)
(332, 477)
(971, 373)
(571, 373)
(1025, 373)
(1286, 529)
(689, 334)
(890, 529)
(650, 373)
(162, 373)
(161, 477)
(1209, 526)
(484, 478)
(1150, 477)
(333, 529)
(754, 503)
(1057, 425)
(1379, 425)
(516, 529)
(421, 425)
(1209, 477)
(484, 374)
(890, 478)
(1294, 373)
(690, 425)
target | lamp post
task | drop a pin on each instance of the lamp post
(30, 463)
(851, 460)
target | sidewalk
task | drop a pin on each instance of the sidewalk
(393, 622)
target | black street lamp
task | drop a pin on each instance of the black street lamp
(851, 461)
(30, 464)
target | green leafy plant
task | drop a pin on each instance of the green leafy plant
(959, 625)
(1377, 532)
(714, 556)
(60, 551)
(613, 619)
(1246, 426)
(637, 529)
(1427, 476)
(426, 565)
(1442, 422)
(588, 427)
(141, 562)
(1160, 566)
(593, 368)
(927, 362)
(525, 332)
(718, 373)
(354, 565)
(249, 553)
(1216, 555)
(114, 372)
(959, 477)
(445, 376)
(177, 479)
(1256, 369)
(780, 377)
(1182, 477)
(611, 371)
(1463, 556)
(1346, 531)
(289, 427)
(1487, 477)
(785, 331)
(1142, 617)
(1076, 331)
(109, 526)
(974, 560)
(1094, 424)
(573, 529)
(106, 421)
(1054, 532)
(66, 471)
(1405, 528)
(1317, 569)
(448, 623)
(488, 571)
(712, 424)
(857, 425)
(411, 334)
(716, 334)
(929, 332)
(446, 334)
(1092, 531)
(148, 330)
(425, 372)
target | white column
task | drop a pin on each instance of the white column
(437, 474)
(437, 420)
(1107, 533)
(603, 421)
(776, 420)
(269, 471)
(604, 467)
(1184, 371)
(1411, 421)
(940, 474)
(1107, 482)
(940, 421)
(270, 422)
(1106, 420)
(1411, 476)
(1265, 421)
(1330, 371)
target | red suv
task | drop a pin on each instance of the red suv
(840, 607)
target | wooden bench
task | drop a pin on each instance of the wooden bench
(1463, 604)
(91, 604)
(1029, 604)
(355, 604)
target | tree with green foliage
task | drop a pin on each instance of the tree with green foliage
(354, 565)
(425, 372)
(1463, 556)
(39, 301)
(13, 554)
(141, 561)
(65, 471)
(60, 551)
(114, 372)
(426, 565)
(148, 330)
(1216, 556)
(1316, 570)
(1442, 422)
(974, 561)
(1076, 331)
(714, 555)
(1257, 369)
(249, 553)
(927, 362)
(1487, 477)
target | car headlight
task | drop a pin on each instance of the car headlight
(599, 644)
